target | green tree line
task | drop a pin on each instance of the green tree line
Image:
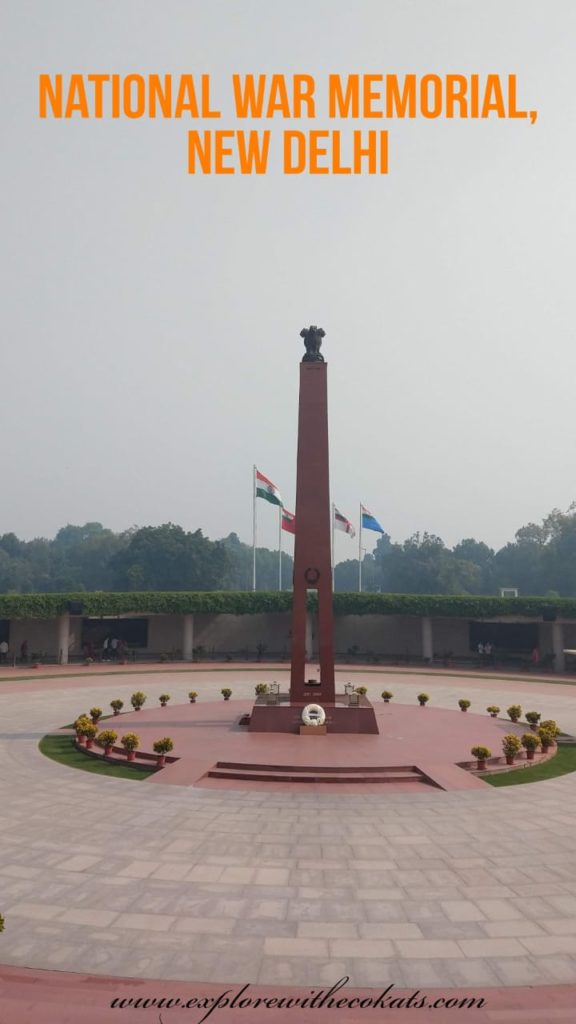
(540, 560)
(91, 558)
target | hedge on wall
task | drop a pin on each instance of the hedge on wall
(453, 606)
(47, 606)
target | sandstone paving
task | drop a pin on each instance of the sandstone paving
(442, 889)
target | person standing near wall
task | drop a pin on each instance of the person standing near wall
(4, 652)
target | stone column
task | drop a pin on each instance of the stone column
(427, 639)
(63, 638)
(558, 646)
(312, 555)
(187, 637)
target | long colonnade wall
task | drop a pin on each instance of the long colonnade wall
(266, 634)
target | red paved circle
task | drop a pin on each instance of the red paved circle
(431, 740)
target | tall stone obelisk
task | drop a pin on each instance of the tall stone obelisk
(312, 557)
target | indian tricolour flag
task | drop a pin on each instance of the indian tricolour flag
(267, 490)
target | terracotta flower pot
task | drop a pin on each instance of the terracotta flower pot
(481, 766)
(226, 698)
(80, 740)
(89, 742)
(161, 760)
(130, 755)
(493, 714)
(529, 755)
(108, 751)
(192, 700)
(463, 709)
(509, 758)
(116, 711)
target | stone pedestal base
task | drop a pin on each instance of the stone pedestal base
(360, 718)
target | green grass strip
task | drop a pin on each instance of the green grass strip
(563, 762)
(62, 749)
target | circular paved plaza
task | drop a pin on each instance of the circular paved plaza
(468, 889)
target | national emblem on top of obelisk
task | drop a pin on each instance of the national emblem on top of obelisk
(312, 342)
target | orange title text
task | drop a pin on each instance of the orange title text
(229, 143)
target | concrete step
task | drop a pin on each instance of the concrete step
(287, 774)
(330, 769)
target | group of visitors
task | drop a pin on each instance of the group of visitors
(486, 653)
(112, 648)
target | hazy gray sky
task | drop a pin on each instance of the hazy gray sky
(150, 319)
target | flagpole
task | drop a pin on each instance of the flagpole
(333, 538)
(360, 553)
(254, 528)
(280, 547)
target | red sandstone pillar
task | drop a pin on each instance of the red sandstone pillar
(312, 559)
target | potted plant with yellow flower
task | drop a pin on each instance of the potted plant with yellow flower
(511, 747)
(481, 754)
(138, 700)
(530, 742)
(130, 741)
(162, 747)
(107, 738)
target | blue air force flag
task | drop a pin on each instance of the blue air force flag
(369, 522)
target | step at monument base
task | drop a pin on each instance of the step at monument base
(315, 774)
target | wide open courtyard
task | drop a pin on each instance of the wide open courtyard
(471, 890)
